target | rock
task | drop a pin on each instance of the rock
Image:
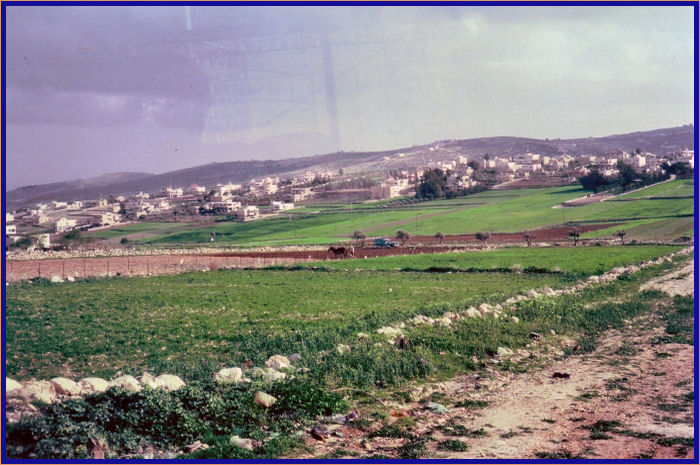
(264, 400)
(228, 375)
(319, 433)
(472, 312)
(535, 336)
(444, 321)
(195, 446)
(169, 382)
(148, 380)
(552, 332)
(504, 352)
(65, 386)
(237, 441)
(389, 331)
(70, 279)
(42, 391)
(92, 385)
(437, 408)
(127, 382)
(484, 308)
(56, 279)
(558, 375)
(533, 294)
(362, 336)
(294, 358)
(271, 375)
(515, 319)
(11, 385)
(593, 279)
(343, 349)
(278, 362)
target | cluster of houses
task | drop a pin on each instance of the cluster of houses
(271, 195)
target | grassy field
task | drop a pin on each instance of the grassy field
(196, 322)
(496, 211)
(193, 323)
(676, 188)
(578, 261)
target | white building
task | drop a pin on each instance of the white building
(59, 205)
(64, 224)
(75, 205)
(248, 212)
(9, 217)
(276, 205)
(10, 229)
(225, 206)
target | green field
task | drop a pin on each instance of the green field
(195, 323)
(496, 211)
(676, 188)
(579, 261)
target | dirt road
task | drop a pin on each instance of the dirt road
(631, 398)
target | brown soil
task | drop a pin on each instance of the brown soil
(532, 415)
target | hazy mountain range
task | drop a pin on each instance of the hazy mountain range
(658, 141)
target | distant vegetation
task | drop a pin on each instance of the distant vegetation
(627, 179)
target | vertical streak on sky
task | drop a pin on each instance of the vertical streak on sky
(330, 91)
(188, 18)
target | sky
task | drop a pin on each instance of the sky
(97, 89)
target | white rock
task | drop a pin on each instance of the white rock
(169, 382)
(11, 385)
(264, 400)
(533, 294)
(593, 279)
(148, 380)
(237, 441)
(42, 391)
(56, 279)
(92, 385)
(515, 319)
(65, 386)
(389, 331)
(484, 308)
(471, 312)
(504, 352)
(278, 362)
(228, 375)
(70, 279)
(444, 321)
(127, 382)
(271, 375)
(343, 349)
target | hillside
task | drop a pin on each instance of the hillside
(657, 141)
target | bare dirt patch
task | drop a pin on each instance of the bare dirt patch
(680, 282)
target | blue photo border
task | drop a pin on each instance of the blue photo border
(694, 4)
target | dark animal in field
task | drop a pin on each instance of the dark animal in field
(344, 251)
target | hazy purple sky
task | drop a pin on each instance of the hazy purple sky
(92, 90)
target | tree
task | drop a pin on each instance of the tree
(122, 208)
(574, 234)
(474, 165)
(433, 185)
(627, 174)
(440, 237)
(359, 235)
(528, 238)
(402, 236)
(621, 234)
(593, 180)
(483, 236)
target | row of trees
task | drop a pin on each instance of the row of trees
(628, 177)
(484, 236)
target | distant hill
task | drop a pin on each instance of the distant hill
(659, 141)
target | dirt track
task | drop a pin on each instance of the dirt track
(633, 387)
